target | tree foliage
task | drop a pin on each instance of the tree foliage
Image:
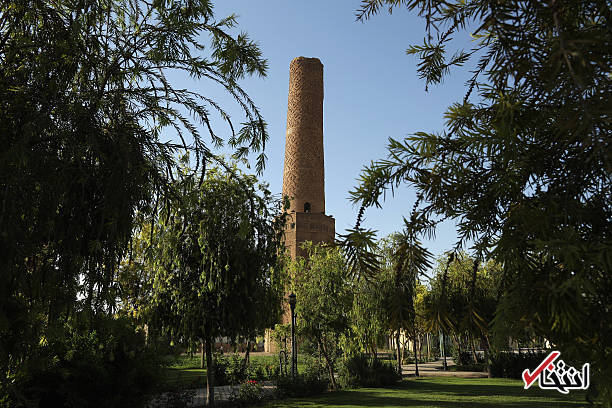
(324, 299)
(369, 320)
(218, 247)
(409, 261)
(524, 164)
(215, 257)
(459, 304)
(90, 127)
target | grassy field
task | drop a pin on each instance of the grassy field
(441, 392)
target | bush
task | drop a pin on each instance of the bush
(511, 365)
(361, 371)
(105, 365)
(313, 380)
(256, 371)
(272, 371)
(466, 358)
(221, 363)
(236, 370)
(249, 393)
(229, 370)
(262, 371)
(301, 386)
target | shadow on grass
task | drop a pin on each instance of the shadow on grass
(447, 394)
(376, 400)
(476, 388)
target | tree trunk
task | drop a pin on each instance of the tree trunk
(444, 351)
(398, 352)
(486, 346)
(474, 356)
(210, 374)
(330, 365)
(428, 347)
(458, 341)
(414, 349)
(202, 357)
(245, 362)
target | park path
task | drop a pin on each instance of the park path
(222, 395)
(435, 369)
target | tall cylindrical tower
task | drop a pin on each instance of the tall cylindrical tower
(303, 176)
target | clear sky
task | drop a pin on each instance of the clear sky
(372, 92)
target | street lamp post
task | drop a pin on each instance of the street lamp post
(292, 301)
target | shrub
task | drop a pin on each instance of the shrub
(466, 358)
(272, 371)
(511, 365)
(231, 370)
(313, 380)
(236, 370)
(251, 392)
(221, 363)
(256, 371)
(301, 386)
(79, 368)
(361, 371)
(262, 371)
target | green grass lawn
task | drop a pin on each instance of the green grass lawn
(441, 392)
(183, 378)
(182, 372)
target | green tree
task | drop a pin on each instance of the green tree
(410, 261)
(459, 304)
(369, 319)
(89, 128)
(524, 163)
(216, 261)
(324, 299)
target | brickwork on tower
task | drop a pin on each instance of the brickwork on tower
(304, 171)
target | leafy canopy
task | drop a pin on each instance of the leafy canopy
(324, 298)
(215, 257)
(90, 126)
(524, 163)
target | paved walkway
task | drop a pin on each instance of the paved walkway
(435, 369)
(223, 393)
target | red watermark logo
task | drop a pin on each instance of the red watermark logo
(557, 375)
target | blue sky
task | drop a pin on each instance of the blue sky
(372, 92)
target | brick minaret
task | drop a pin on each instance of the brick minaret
(304, 172)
